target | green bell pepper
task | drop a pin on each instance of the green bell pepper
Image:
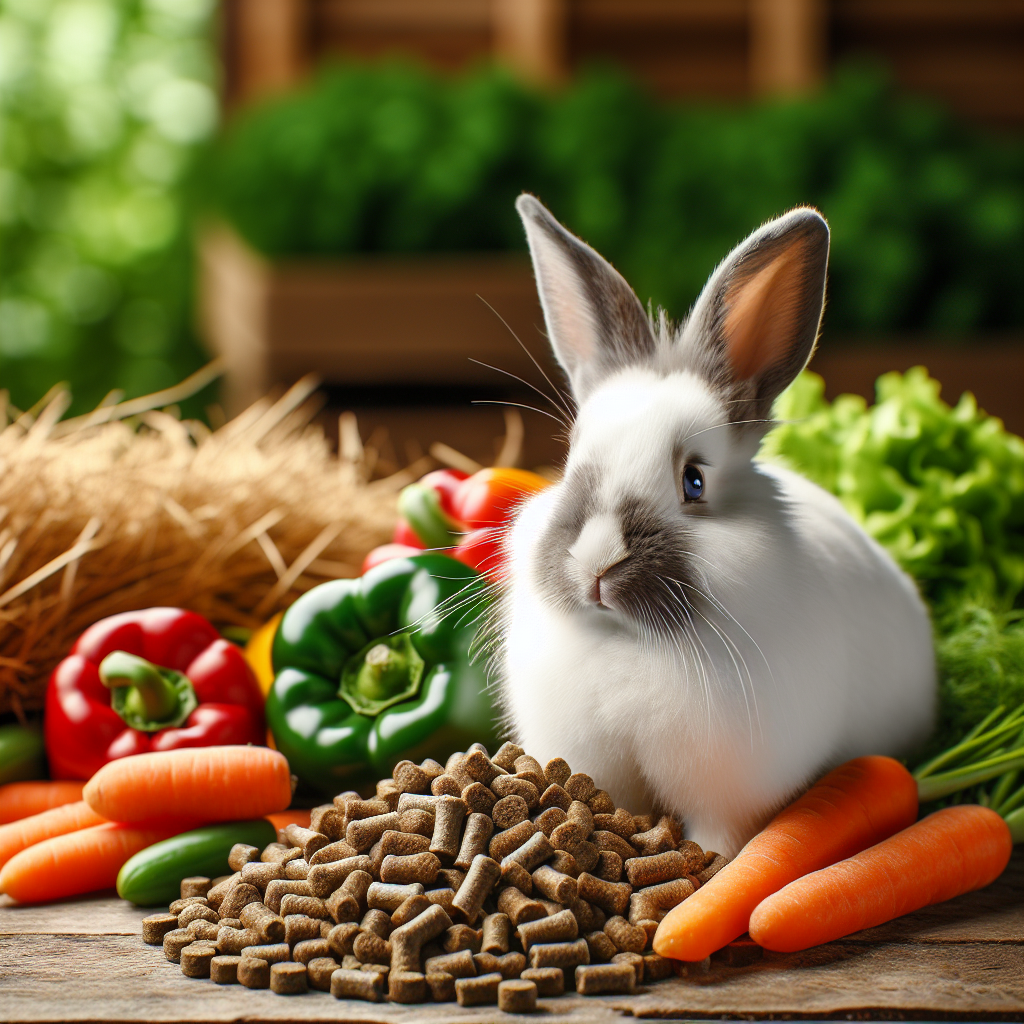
(371, 671)
(153, 876)
(21, 754)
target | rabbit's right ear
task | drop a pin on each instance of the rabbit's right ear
(595, 321)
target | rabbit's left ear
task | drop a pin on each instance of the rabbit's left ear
(755, 325)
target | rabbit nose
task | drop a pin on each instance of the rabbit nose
(600, 545)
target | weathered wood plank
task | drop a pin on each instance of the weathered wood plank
(79, 978)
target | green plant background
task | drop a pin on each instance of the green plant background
(104, 106)
(927, 214)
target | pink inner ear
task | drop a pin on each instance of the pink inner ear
(762, 313)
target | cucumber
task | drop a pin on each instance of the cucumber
(21, 754)
(153, 876)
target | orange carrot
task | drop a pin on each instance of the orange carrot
(18, 835)
(855, 806)
(953, 851)
(79, 862)
(283, 818)
(205, 783)
(22, 799)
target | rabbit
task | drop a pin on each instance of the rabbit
(702, 633)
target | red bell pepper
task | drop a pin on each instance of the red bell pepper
(459, 515)
(155, 679)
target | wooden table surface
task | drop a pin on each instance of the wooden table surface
(84, 961)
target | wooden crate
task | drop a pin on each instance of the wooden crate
(968, 53)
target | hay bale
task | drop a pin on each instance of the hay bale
(103, 514)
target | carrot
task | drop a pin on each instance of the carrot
(953, 851)
(18, 835)
(79, 862)
(22, 799)
(283, 818)
(204, 783)
(855, 806)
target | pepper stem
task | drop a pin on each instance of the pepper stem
(146, 696)
(382, 673)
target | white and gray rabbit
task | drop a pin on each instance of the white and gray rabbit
(699, 631)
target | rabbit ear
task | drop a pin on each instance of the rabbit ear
(755, 325)
(594, 320)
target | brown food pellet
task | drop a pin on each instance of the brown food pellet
(297, 870)
(547, 821)
(407, 987)
(408, 940)
(410, 908)
(175, 941)
(503, 843)
(694, 856)
(416, 802)
(635, 960)
(478, 799)
(416, 867)
(589, 917)
(461, 936)
(557, 771)
(306, 839)
(529, 768)
(364, 832)
(550, 981)
(231, 941)
(341, 937)
(657, 968)
(497, 930)
(650, 929)
(592, 980)
(506, 756)
(628, 938)
(319, 971)
(195, 959)
(509, 811)
(604, 840)
(480, 991)
(621, 822)
(486, 963)
(204, 930)
(298, 928)
(404, 844)
(664, 836)
(480, 767)
(330, 821)
(224, 969)
(261, 920)
(341, 850)
(288, 979)
(511, 965)
(602, 949)
(580, 786)
(553, 884)
(475, 837)
(609, 866)
(354, 984)
(196, 885)
(410, 778)
(323, 879)
(389, 897)
(230, 922)
(196, 912)
(280, 853)
(253, 972)
(530, 854)
(241, 854)
(156, 926)
(281, 887)
(260, 874)
(452, 877)
(371, 949)
(513, 873)
(342, 905)
(560, 927)
(180, 904)
(388, 792)
(517, 996)
(376, 921)
(611, 897)
(240, 896)
(458, 965)
(442, 987)
(554, 796)
(644, 822)
(652, 902)
(358, 809)
(560, 954)
(508, 785)
(601, 803)
(446, 785)
(310, 949)
(443, 898)
(586, 855)
(273, 953)
(518, 906)
(582, 815)
(417, 822)
(449, 813)
(662, 867)
(480, 879)
(712, 869)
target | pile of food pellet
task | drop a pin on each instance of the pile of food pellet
(482, 881)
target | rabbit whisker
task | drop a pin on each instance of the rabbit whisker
(532, 387)
(519, 405)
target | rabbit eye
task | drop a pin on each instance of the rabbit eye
(693, 483)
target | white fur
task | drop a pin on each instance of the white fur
(817, 649)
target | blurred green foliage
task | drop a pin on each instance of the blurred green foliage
(927, 214)
(103, 107)
(942, 489)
